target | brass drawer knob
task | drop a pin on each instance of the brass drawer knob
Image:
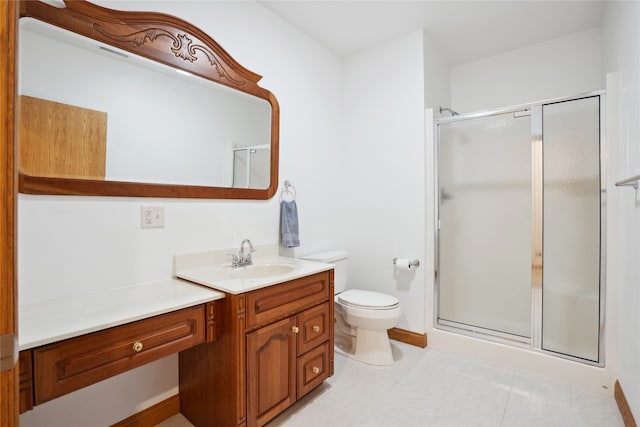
(316, 328)
(137, 346)
(315, 369)
(295, 329)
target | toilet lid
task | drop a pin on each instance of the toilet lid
(368, 299)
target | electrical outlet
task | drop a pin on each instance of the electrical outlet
(152, 217)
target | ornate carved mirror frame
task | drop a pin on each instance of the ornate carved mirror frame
(173, 42)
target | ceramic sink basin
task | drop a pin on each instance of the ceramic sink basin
(261, 271)
(213, 269)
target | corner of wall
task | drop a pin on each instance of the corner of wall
(437, 75)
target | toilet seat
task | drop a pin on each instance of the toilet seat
(370, 300)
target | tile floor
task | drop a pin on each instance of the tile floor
(426, 387)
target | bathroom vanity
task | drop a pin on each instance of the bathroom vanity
(70, 343)
(247, 350)
(274, 345)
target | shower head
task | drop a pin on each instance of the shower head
(453, 113)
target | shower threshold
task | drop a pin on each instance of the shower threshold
(484, 333)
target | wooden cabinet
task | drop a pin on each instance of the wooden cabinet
(271, 370)
(285, 360)
(313, 369)
(276, 345)
(315, 325)
(69, 365)
(55, 369)
(26, 380)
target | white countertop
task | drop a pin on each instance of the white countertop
(51, 321)
(219, 276)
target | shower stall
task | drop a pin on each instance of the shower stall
(251, 166)
(520, 226)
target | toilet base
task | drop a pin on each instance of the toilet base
(373, 347)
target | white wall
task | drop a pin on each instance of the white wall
(561, 67)
(621, 52)
(437, 77)
(69, 245)
(382, 191)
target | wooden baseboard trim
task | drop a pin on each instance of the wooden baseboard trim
(153, 415)
(623, 406)
(413, 338)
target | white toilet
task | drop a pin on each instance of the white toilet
(361, 317)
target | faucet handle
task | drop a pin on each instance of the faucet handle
(234, 260)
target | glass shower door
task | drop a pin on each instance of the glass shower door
(252, 167)
(571, 236)
(485, 217)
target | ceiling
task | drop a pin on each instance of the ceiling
(463, 30)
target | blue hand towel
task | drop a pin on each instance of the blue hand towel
(289, 224)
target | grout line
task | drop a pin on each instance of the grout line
(504, 412)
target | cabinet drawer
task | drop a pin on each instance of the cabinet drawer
(71, 364)
(314, 327)
(26, 381)
(279, 301)
(313, 369)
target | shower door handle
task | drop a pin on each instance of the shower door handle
(536, 270)
(445, 195)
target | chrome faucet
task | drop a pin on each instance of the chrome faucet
(243, 258)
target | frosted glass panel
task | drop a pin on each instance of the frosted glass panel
(260, 168)
(240, 168)
(485, 223)
(251, 167)
(571, 233)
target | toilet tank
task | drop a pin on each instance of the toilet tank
(339, 260)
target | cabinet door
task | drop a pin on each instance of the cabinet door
(271, 371)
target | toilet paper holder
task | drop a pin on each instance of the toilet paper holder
(412, 263)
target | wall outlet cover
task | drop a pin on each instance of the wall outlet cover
(152, 217)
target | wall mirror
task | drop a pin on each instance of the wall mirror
(121, 103)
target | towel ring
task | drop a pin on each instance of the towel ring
(289, 189)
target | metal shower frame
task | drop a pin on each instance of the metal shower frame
(533, 343)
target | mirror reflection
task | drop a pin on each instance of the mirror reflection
(89, 110)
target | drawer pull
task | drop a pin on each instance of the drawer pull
(315, 328)
(295, 329)
(315, 369)
(137, 346)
